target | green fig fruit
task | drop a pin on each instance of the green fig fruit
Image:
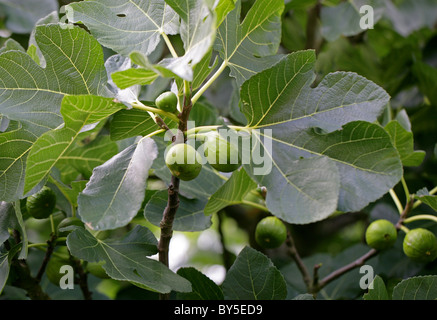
(183, 161)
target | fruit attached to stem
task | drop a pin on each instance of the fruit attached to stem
(167, 101)
(183, 161)
(41, 204)
(221, 155)
(381, 234)
(420, 245)
(270, 232)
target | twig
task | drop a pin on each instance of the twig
(361, 260)
(82, 278)
(291, 248)
(166, 224)
(51, 243)
(337, 273)
(170, 210)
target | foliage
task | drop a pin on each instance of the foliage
(331, 122)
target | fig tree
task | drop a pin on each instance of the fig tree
(41, 204)
(221, 155)
(381, 234)
(420, 245)
(167, 101)
(270, 232)
(183, 161)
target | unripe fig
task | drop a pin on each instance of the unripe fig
(420, 245)
(55, 263)
(41, 204)
(221, 155)
(167, 101)
(270, 232)
(183, 161)
(381, 234)
(96, 269)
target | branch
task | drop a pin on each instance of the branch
(337, 273)
(361, 260)
(51, 243)
(24, 280)
(170, 210)
(83, 278)
(291, 249)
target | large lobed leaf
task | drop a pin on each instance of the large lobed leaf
(32, 95)
(325, 153)
(250, 46)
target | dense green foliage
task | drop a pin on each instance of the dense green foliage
(335, 124)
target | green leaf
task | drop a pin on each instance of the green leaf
(15, 146)
(404, 143)
(254, 277)
(115, 192)
(135, 76)
(11, 44)
(197, 32)
(344, 19)
(126, 25)
(411, 15)
(132, 123)
(126, 259)
(22, 15)
(203, 287)
(424, 196)
(378, 292)
(7, 220)
(32, 95)
(23, 232)
(250, 47)
(201, 71)
(416, 288)
(190, 215)
(295, 121)
(5, 263)
(222, 9)
(231, 192)
(78, 112)
(84, 158)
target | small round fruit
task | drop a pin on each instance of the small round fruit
(96, 269)
(183, 161)
(41, 204)
(67, 222)
(270, 232)
(221, 155)
(420, 245)
(381, 234)
(53, 268)
(167, 101)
